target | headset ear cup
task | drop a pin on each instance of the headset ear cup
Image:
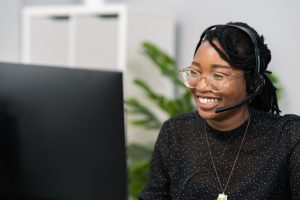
(256, 87)
(258, 84)
(253, 85)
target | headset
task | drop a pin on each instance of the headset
(258, 80)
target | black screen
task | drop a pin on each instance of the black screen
(62, 134)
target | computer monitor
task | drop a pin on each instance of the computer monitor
(62, 134)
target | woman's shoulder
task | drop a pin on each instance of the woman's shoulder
(292, 127)
(275, 118)
(287, 124)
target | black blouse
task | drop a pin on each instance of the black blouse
(268, 166)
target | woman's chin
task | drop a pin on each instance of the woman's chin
(207, 114)
(207, 111)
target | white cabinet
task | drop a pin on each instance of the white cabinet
(103, 37)
(100, 37)
(50, 47)
(96, 47)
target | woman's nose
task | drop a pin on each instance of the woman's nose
(202, 85)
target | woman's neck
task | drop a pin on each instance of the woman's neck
(231, 120)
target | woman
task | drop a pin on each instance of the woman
(236, 146)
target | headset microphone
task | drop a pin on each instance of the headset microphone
(226, 108)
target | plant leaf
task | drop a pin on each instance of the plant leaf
(137, 177)
(147, 119)
(171, 106)
(163, 61)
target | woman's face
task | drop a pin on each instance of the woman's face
(206, 61)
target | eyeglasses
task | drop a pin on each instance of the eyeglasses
(216, 82)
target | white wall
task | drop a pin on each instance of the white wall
(10, 25)
(10, 30)
(49, 2)
(277, 20)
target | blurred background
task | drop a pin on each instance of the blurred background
(111, 35)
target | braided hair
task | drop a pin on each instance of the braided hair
(238, 50)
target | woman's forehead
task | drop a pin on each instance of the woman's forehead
(207, 53)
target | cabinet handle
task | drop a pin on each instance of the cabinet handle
(60, 18)
(107, 16)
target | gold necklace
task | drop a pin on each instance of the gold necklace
(222, 196)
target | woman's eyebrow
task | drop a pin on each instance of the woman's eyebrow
(220, 66)
(212, 65)
(196, 64)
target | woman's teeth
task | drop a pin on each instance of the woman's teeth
(208, 100)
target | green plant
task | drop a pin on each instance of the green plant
(138, 162)
(139, 156)
(171, 107)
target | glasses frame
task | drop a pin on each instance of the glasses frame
(200, 77)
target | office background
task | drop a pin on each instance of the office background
(277, 20)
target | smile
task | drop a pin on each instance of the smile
(208, 100)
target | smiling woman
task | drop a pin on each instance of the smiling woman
(236, 146)
(224, 85)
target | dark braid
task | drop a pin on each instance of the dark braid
(239, 52)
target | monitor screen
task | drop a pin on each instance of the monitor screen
(61, 134)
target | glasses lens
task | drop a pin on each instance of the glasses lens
(190, 78)
(216, 82)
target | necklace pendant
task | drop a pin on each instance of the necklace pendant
(222, 197)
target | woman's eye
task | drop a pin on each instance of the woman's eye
(218, 76)
(194, 73)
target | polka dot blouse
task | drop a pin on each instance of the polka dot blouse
(268, 166)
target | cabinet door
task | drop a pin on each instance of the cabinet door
(49, 40)
(97, 41)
